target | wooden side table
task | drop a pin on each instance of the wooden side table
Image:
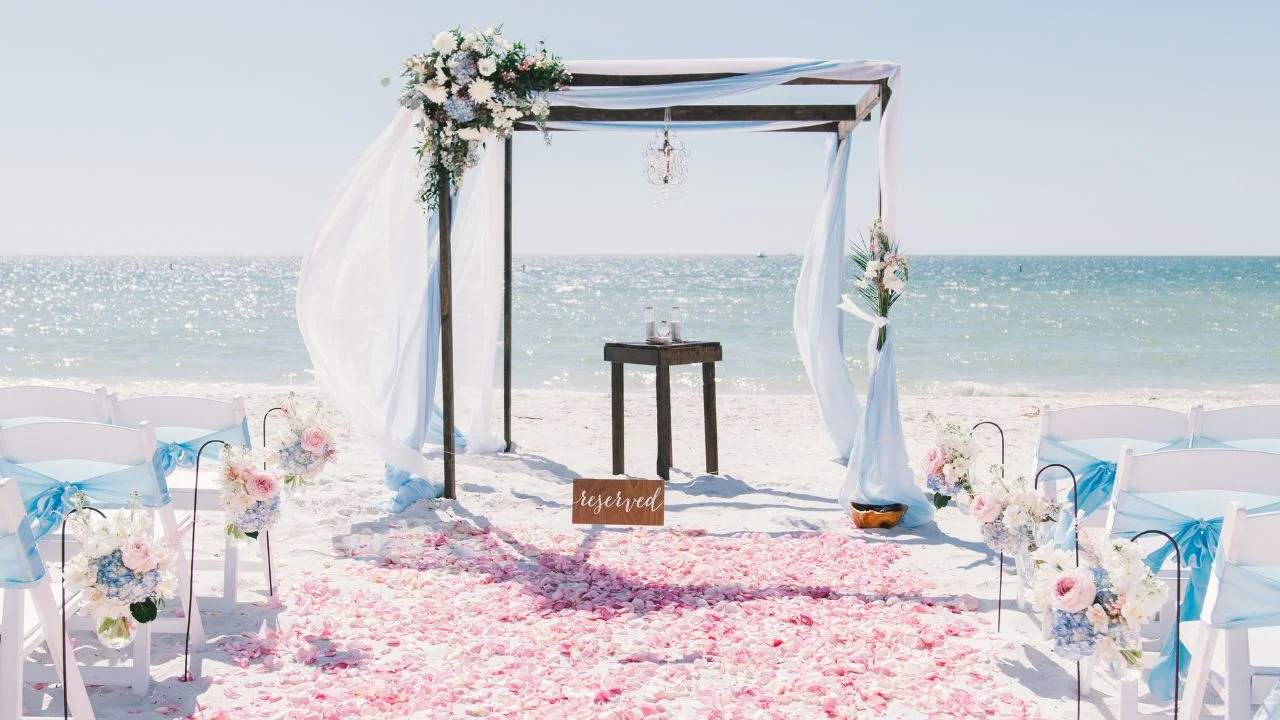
(662, 357)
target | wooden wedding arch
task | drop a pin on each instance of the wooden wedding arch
(826, 118)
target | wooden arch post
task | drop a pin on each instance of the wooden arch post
(446, 330)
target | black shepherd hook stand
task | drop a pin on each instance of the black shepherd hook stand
(66, 711)
(1075, 528)
(266, 534)
(191, 576)
(1177, 613)
(1000, 566)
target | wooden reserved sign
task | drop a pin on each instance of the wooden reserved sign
(618, 502)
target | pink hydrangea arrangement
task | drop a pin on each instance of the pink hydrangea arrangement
(250, 495)
(1098, 607)
(305, 447)
(1012, 516)
(947, 466)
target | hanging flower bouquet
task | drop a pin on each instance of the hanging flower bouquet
(1098, 608)
(473, 86)
(250, 496)
(1013, 517)
(125, 576)
(304, 449)
(884, 272)
(947, 465)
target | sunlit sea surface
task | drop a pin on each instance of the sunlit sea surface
(968, 324)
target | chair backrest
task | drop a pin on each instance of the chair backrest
(1252, 422)
(1250, 540)
(21, 403)
(62, 440)
(178, 411)
(1128, 422)
(11, 510)
(1249, 471)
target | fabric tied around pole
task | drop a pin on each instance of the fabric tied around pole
(48, 499)
(879, 470)
(171, 455)
(20, 563)
(1197, 539)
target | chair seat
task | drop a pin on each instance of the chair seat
(182, 488)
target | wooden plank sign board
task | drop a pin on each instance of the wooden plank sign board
(618, 502)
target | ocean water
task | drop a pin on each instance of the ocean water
(968, 324)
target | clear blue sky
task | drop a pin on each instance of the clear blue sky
(1065, 128)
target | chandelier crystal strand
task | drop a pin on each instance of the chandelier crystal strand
(666, 160)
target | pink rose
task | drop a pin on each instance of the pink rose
(934, 461)
(138, 556)
(260, 485)
(1074, 590)
(313, 439)
(985, 509)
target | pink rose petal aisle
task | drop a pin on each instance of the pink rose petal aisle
(521, 622)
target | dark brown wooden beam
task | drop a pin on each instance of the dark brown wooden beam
(446, 332)
(821, 127)
(710, 113)
(506, 299)
(597, 80)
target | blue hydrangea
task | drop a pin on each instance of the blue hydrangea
(261, 516)
(1073, 635)
(121, 583)
(460, 109)
(297, 461)
(462, 67)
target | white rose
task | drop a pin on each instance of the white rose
(445, 42)
(893, 283)
(540, 107)
(468, 133)
(1015, 516)
(1097, 618)
(487, 65)
(481, 90)
(436, 93)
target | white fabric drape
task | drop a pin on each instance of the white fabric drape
(817, 318)
(363, 300)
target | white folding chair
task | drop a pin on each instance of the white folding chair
(76, 452)
(21, 404)
(182, 425)
(1197, 483)
(1252, 427)
(30, 614)
(1246, 578)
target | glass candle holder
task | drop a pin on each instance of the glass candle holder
(648, 322)
(677, 325)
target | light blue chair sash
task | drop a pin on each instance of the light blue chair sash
(1095, 477)
(172, 453)
(1248, 597)
(48, 498)
(20, 563)
(1260, 444)
(1197, 538)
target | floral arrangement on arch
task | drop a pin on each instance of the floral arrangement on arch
(948, 464)
(473, 86)
(1013, 517)
(884, 272)
(124, 575)
(1098, 608)
(305, 447)
(250, 495)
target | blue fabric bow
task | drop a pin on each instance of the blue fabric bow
(173, 455)
(1095, 477)
(20, 563)
(48, 499)
(1197, 539)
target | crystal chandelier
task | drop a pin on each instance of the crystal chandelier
(666, 161)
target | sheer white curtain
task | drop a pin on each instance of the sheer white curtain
(817, 319)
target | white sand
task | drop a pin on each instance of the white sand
(778, 473)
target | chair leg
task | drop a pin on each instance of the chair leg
(141, 670)
(1239, 676)
(169, 522)
(51, 622)
(11, 659)
(1129, 700)
(268, 570)
(1198, 675)
(231, 573)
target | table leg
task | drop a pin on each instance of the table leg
(709, 417)
(619, 463)
(664, 422)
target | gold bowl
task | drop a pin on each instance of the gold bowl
(867, 517)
